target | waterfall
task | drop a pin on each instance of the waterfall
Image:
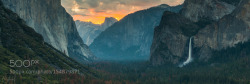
(189, 54)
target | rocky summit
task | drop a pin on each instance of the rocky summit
(212, 9)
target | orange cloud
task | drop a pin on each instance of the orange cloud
(106, 8)
(99, 17)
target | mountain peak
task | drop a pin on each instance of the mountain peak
(110, 19)
(89, 22)
(163, 6)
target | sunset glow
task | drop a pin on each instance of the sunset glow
(95, 11)
(99, 17)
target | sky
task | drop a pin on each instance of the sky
(95, 11)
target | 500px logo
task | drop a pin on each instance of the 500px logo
(23, 63)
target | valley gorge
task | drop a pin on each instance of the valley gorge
(89, 31)
(131, 37)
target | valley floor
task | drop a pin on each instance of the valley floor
(142, 72)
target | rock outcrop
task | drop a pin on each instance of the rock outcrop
(212, 9)
(131, 37)
(57, 27)
(230, 30)
(89, 31)
(169, 41)
(214, 24)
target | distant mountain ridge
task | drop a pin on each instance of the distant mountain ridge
(131, 37)
(50, 19)
(89, 31)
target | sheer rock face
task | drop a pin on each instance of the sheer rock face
(219, 33)
(169, 42)
(21, 42)
(89, 31)
(213, 9)
(230, 30)
(57, 27)
(131, 37)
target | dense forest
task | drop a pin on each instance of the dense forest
(228, 66)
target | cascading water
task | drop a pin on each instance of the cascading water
(189, 54)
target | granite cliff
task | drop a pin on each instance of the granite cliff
(57, 27)
(215, 25)
(21, 42)
(230, 30)
(169, 41)
(212, 9)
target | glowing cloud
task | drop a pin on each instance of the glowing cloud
(96, 10)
